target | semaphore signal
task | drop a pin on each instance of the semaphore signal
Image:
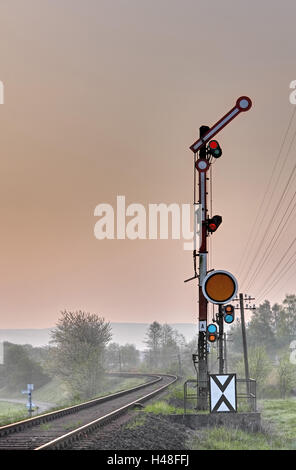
(204, 149)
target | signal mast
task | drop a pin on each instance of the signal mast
(224, 285)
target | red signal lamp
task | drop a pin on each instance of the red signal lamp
(213, 223)
(213, 227)
(213, 144)
(214, 149)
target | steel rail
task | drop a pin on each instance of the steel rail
(62, 441)
(45, 417)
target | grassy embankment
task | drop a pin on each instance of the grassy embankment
(278, 426)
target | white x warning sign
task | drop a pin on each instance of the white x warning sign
(223, 393)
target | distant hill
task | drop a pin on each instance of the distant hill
(122, 333)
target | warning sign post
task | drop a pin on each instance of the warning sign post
(223, 394)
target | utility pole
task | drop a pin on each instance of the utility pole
(245, 346)
(242, 308)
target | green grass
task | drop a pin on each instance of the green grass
(223, 438)
(10, 412)
(162, 407)
(45, 426)
(177, 392)
(280, 415)
(278, 431)
(52, 392)
(73, 425)
(173, 403)
(139, 420)
(243, 406)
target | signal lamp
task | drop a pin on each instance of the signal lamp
(214, 149)
(213, 223)
(212, 333)
(229, 314)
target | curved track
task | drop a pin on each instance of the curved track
(57, 429)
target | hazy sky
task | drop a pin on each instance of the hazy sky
(104, 98)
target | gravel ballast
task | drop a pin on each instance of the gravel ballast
(144, 431)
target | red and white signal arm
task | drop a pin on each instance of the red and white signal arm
(219, 287)
(242, 104)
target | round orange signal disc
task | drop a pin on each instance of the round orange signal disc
(219, 287)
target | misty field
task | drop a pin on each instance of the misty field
(279, 416)
(10, 412)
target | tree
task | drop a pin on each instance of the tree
(260, 328)
(153, 341)
(165, 347)
(286, 373)
(259, 365)
(19, 369)
(119, 358)
(130, 356)
(113, 357)
(288, 318)
(168, 346)
(187, 364)
(80, 339)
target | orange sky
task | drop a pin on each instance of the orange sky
(103, 98)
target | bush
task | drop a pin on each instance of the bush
(19, 370)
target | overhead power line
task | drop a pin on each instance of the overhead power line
(276, 162)
(279, 277)
(269, 249)
(271, 221)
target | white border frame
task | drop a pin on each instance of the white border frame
(210, 274)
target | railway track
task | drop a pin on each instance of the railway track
(57, 429)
